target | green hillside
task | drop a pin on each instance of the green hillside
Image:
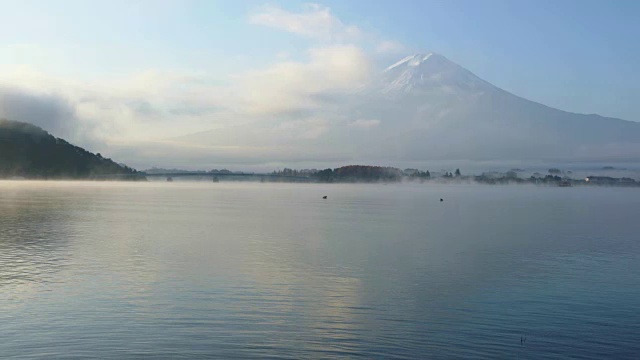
(30, 152)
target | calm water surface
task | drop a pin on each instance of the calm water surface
(203, 270)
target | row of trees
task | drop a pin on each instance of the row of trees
(359, 173)
(293, 172)
(362, 173)
(450, 175)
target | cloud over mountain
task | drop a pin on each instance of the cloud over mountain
(298, 86)
(314, 21)
(426, 108)
(331, 107)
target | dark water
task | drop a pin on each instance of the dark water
(273, 271)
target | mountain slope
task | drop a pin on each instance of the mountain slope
(432, 108)
(426, 108)
(28, 151)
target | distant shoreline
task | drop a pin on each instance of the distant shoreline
(360, 174)
(356, 174)
(263, 178)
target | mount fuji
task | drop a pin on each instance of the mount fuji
(431, 108)
(426, 108)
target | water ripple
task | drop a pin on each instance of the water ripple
(192, 271)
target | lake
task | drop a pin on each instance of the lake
(190, 270)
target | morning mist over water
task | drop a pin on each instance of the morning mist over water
(273, 270)
(337, 180)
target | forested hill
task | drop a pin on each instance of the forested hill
(30, 152)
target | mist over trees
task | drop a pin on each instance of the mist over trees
(357, 173)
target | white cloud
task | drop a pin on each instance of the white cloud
(147, 105)
(283, 107)
(128, 117)
(364, 124)
(390, 47)
(314, 21)
(305, 129)
(295, 86)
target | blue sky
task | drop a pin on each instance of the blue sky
(140, 71)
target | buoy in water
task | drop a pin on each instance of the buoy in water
(441, 200)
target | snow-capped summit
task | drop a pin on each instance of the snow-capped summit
(412, 60)
(429, 72)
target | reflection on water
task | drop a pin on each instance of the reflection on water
(34, 243)
(272, 270)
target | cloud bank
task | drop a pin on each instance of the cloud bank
(314, 21)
